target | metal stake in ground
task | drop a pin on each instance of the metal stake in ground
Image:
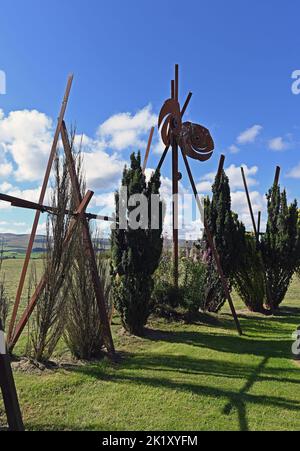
(213, 247)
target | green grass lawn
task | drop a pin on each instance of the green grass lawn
(180, 377)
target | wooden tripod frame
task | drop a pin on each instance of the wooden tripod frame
(80, 215)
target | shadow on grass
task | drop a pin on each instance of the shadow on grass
(157, 370)
(227, 343)
(153, 370)
(237, 400)
(283, 320)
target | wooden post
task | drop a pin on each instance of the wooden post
(175, 184)
(89, 249)
(148, 149)
(258, 224)
(249, 203)
(277, 175)
(213, 247)
(37, 215)
(220, 168)
(8, 388)
(175, 213)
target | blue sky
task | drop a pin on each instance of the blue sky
(237, 57)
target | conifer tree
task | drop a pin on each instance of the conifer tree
(228, 235)
(280, 245)
(136, 252)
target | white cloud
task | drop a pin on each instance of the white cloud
(4, 187)
(103, 171)
(125, 130)
(235, 178)
(295, 172)
(278, 144)
(249, 135)
(233, 149)
(105, 202)
(205, 186)
(240, 206)
(6, 169)
(26, 136)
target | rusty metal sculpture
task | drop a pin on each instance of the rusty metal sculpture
(196, 142)
(193, 139)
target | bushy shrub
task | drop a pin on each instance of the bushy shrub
(280, 245)
(49, 316)
(83, 330)
(164, 292)
(193, 278)
(249, 278)
(190, 293)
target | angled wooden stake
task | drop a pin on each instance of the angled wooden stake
(221, 167)
(249, 202)
(258, 223)
(148, 149)
(212, 246)
(277, 176)
(37, 215)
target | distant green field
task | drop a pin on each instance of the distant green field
(179, 377)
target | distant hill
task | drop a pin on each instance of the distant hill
(18, 243)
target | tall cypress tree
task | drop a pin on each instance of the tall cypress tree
(280, 245)
(136, 252)
(228, 235)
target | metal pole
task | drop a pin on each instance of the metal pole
(17, 202)
(213, 247)
(175, 179)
